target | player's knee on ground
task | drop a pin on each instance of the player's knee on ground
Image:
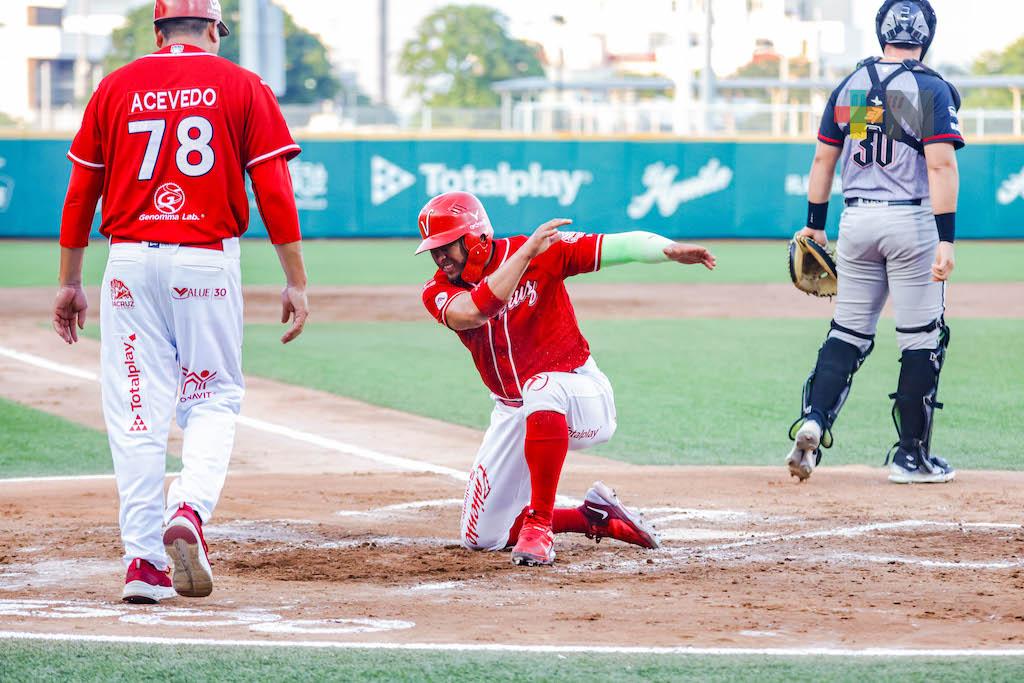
(486, 521)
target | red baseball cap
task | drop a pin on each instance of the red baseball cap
(190, 9)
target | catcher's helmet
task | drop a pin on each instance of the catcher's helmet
(906, 22)
(190, 9)
(452, 216)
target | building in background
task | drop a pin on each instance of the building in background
(50, 55)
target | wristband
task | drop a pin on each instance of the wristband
(946, 224)
(485, 301)
(817, 215)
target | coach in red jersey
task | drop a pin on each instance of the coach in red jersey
(506, 300)
(166, 141)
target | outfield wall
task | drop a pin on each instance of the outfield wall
(375, 187)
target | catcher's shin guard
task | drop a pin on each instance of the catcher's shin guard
(916, 397)
(828, 385)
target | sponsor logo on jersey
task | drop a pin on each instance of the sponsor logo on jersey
(169, 198)
(141, 101)
(120, 295)
(133, 370)
(181, 293)
(527, 292)
(664, 191)
(387, 180)
(440, 300)
(572, 237)
(1011, 189)
(6, 188)
(309, 179)
(194, 385)
(476, 497)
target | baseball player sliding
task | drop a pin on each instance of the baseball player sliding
(506, 299)
(894, 124)
(165, 141)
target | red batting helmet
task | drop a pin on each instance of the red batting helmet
(452, 216)
(190, 9)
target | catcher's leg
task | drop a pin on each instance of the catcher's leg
(863, 288)
(923, 337)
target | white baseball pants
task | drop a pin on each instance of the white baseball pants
(171, 340)
(499, 482)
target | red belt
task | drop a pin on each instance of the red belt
(215, 245)
(511, 402)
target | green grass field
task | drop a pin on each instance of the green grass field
(714, 392)
(391, 262)
(694, 392)
(80, 662)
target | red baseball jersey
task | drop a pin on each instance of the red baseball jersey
(173, 132)
(537, 330)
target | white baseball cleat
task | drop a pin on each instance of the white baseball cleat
(804, 456)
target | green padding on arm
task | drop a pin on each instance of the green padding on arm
(633, 247)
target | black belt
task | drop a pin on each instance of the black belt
(860, 201)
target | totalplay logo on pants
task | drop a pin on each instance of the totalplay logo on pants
(388, 180)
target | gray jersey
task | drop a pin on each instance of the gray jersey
(882, 116)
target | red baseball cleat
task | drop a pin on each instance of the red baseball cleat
(536, 544)
(185, 545)
(144, 584)
(609, 518)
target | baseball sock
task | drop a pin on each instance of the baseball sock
(563, 521)
(547, 442)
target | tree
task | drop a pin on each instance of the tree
(770, 66)
(308, 76)
(459, 51)
(1009, 61)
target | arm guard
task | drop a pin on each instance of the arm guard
(633, 247)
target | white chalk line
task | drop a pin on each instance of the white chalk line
(264, 426)
(502, 648)
(74, 477)
(402, 507)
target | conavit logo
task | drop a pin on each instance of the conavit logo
(194, 384)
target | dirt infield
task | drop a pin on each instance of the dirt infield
(594, 301)
(339, 523)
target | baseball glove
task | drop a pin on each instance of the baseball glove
(812, 267)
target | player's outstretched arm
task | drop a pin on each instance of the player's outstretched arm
(647, 247)
(944, 187)
(491, 295)
(819, 190)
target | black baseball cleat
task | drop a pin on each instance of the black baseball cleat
(913, 465)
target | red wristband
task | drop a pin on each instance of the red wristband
(485, 301)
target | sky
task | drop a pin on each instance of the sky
(349, 27)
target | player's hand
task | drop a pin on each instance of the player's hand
(689, 254)
(294, 307)
(68, 311)
(816, 235)
(944, 262)
(544, 236)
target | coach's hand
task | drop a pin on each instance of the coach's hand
(294, 306)
(944, 262)
(544, 236)
(816, 235)
(69, 310)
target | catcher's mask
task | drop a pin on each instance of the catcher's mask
(452, 216)
(190, 9)
(906, 22)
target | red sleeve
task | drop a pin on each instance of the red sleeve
(438, 295)
(266, 133)
(86, 149)
(577, 253)
(84, 190)
(275, 198)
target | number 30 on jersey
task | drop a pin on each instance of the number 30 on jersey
(187, 145)
(877, 148)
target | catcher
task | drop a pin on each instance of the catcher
(506, 299)
(893, 122)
